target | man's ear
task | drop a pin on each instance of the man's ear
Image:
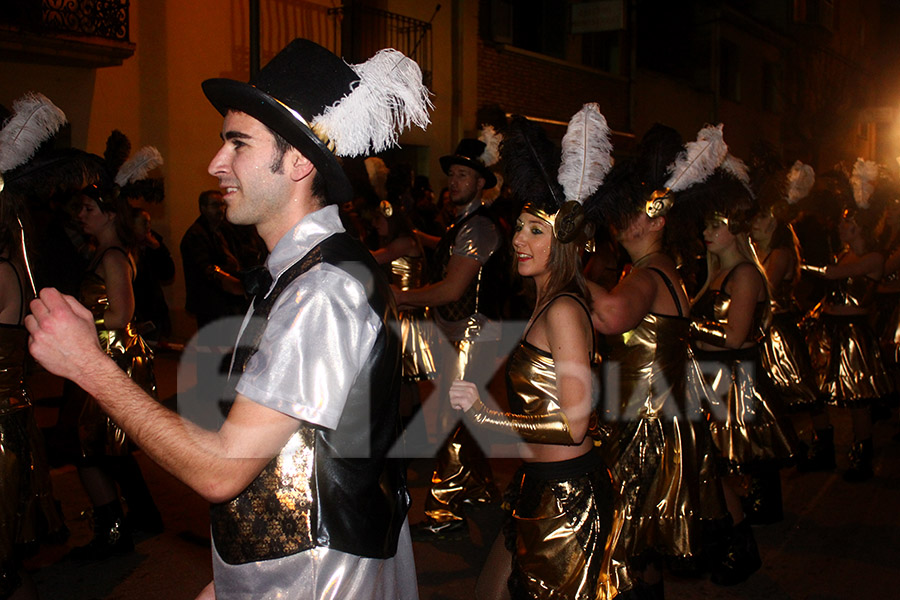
(299, 167)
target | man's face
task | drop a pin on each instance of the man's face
(214, 209)
(252, 192)
(465, 184)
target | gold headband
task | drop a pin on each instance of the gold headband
(386, 209)
(568, 222)
(718, 216)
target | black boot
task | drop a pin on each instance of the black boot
(860, 462)
(741, 558)
(821, 455)
(111, 536)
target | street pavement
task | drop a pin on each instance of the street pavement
(837, 540)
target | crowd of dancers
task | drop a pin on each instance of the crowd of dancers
(655, 409)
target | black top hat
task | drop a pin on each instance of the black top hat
(298, 84)
(468, 153)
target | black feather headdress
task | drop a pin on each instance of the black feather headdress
(553, 186)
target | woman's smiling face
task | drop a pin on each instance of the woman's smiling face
(532, 245)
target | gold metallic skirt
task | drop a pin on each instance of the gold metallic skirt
(847, 360)
(666, 481)
(785, 358)
(559, 530)
(746, 418)
(417, 337)
(98, 434)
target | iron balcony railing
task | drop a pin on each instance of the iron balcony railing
(364, 30)
(106, 19)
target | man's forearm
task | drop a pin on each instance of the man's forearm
(192, 454)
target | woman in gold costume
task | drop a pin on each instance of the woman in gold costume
(400, 249)
(658, 444)
(729, 319)
(785, 355)
(28, 511)
(555, 541)
(843, 346)
(106, 455)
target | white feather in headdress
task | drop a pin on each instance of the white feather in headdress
(865, 172)
(492, 141)
(800, 180)
(35, 119)
(699, 159)
(389, 97)
(586, 153)
(378, 174)
(138, 166)
(737, 168)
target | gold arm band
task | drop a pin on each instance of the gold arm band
(814, 269)
(709, 332)
(552, 428)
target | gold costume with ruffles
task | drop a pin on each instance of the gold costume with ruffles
(747, 422)
(416, 335)
(658, 443)
(844, 348)
(562, 515)
(785, 355)
(27, 507)
(97, 433)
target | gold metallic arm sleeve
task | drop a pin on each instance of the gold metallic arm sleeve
(709, 332)
(814, 269)
(551, 428)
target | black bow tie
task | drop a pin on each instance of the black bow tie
(256, 280)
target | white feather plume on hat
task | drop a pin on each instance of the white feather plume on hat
(389, 97)
(699, 159)
(492, 140)
(865, 172)
(586, 153)
(34, 120)
(138, 166)
(800, 180)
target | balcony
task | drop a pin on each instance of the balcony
(84, 33)
(365, 30)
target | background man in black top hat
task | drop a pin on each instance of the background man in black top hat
(466, 296)
(317, 364)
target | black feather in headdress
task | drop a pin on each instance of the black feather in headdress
(531, 163)
(118, 147)
(59, 172)
(632, 180)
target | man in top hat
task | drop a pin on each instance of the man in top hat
(317, 362)
(466, 294)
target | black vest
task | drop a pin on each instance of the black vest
(337, 488)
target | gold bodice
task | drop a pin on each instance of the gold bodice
(531, 381)
(649, 361)
(853, 291)
(408, 272)
(714, 305)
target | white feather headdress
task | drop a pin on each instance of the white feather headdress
(800, 180)
(35, 119)
(388, 98)
(492, 141)
(699, 159)
(378, 174)
(138, 166)
(586, 153)
(865, 173)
